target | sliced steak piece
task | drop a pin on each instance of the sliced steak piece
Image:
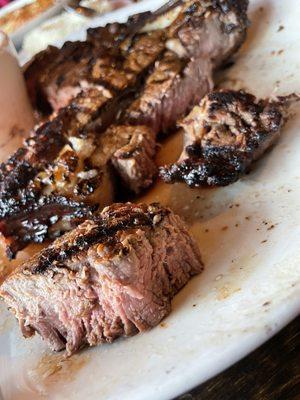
(49, 66)
(113, 276)
(55, 76)
(192, 29)
(200, 39)
(224, 135)
(170, 91)
(131, 150)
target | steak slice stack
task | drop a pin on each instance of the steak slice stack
(139, 79)
(224, 135)
(113, 276)
(55, 76)
(64, 171)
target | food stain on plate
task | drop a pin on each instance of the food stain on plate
(56, 368)
(226, 291)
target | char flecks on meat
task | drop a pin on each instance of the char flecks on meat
(199, 34)
(198, 41)
(224, 135)
(132, 84)
(113, 276)
(110, 56)
(69, 187)
(57, 167)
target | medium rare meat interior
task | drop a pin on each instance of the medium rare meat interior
(120, 88)
(224, 135)
(113, 276)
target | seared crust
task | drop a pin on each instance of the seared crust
(101, 229)
(54, 76)
(202, 36)
(223, 137)
(44, 166)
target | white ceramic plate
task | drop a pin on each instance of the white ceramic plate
(249, 234)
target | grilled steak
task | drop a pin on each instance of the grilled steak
(200, 39)
(50, 187)
(55, 76)
(113, 276)
(63, 172)
(224, 135)
(142, 76)
(192, 30)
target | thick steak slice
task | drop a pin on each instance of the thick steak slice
(53, 69)
(113, 276)
(224, 135)
(199, 40)
(170, 90)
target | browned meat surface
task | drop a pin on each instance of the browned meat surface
(134, 161)
(199, 41)
(224, 135)
(55, 76)
(52, 195)
(195, 30)
(43, 185)
(113, 276)
(56, 166)
(141, 79)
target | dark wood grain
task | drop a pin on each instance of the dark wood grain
(272, 372)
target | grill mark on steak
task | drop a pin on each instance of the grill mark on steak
(169, 92)
(224, 135)
(31, 225)
(198, 42)
(55, 76)
(113, 219)
(113, 276)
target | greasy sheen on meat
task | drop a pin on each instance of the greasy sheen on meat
(130, 82)
(114, 275)
(224, 135)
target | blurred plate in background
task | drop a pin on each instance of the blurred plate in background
(21, 16)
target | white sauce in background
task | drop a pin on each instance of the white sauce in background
(16, 116)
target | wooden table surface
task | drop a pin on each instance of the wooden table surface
(272, 372)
